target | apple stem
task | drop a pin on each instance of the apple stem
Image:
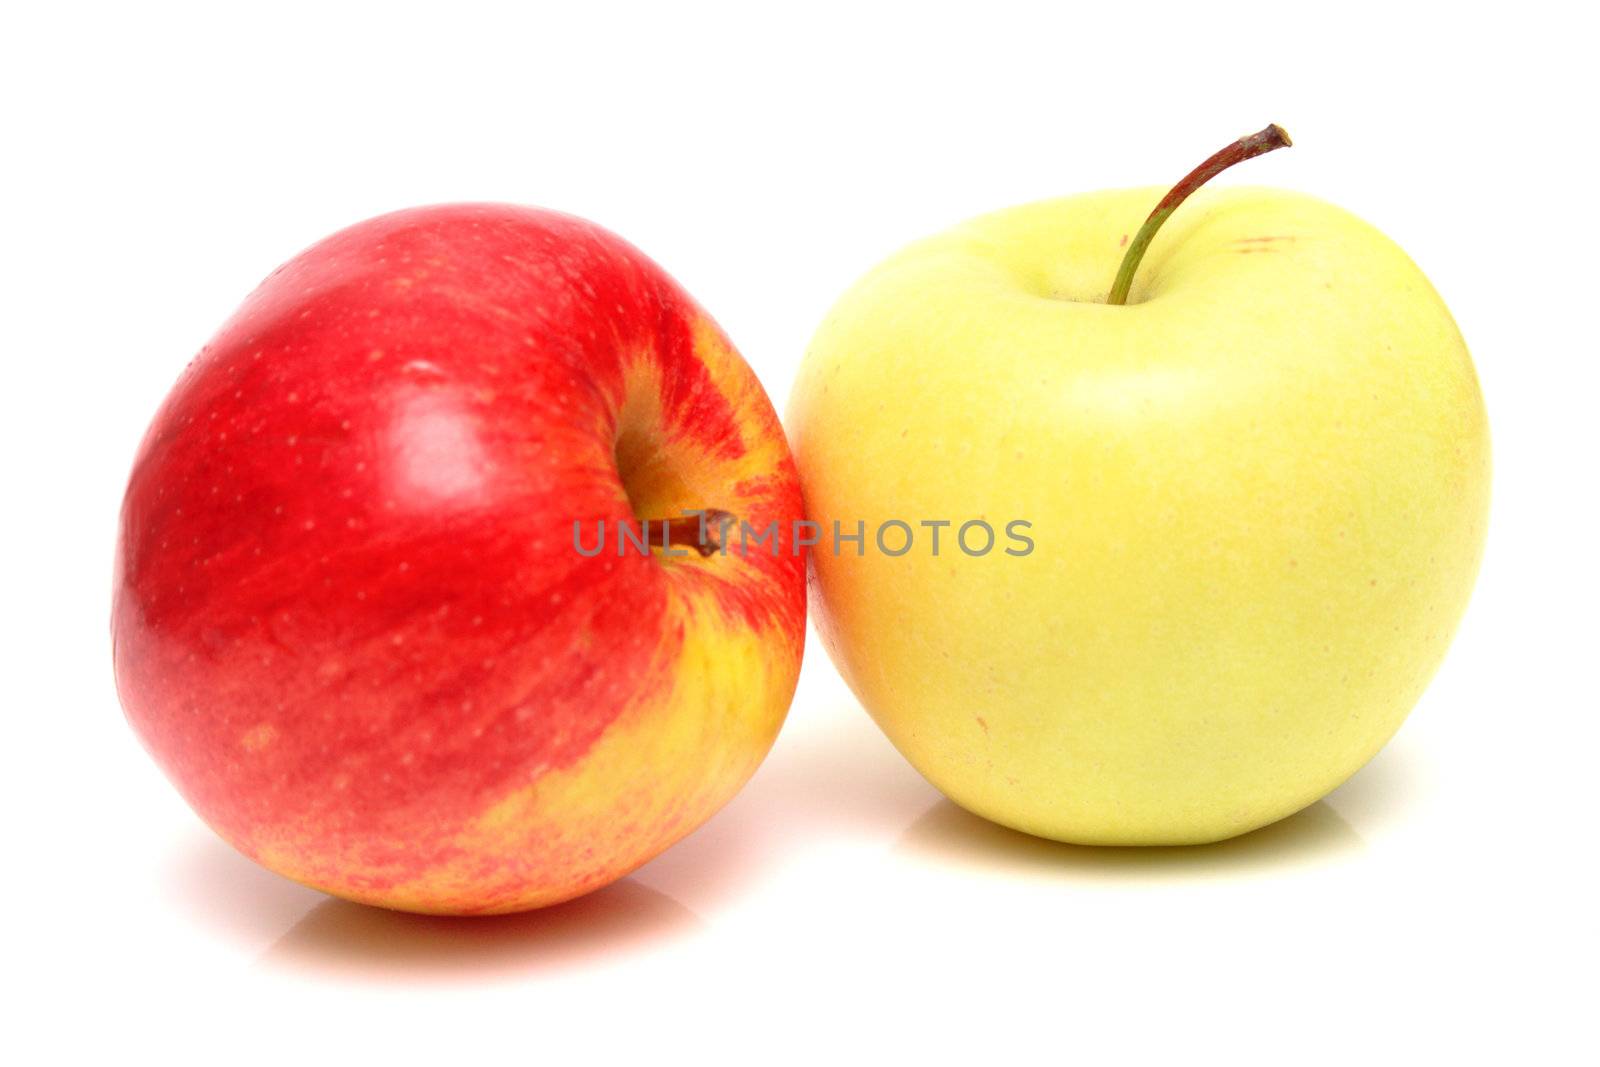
(701, 531)
(1267, 140)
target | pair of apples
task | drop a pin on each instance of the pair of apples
(360, 623)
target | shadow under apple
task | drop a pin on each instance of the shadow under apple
(948, 834)
(1372, 798)
(344, 940)
(231, 896)
(305, 930)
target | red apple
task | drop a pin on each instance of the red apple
(352, 621)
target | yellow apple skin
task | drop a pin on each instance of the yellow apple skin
(1257, 494)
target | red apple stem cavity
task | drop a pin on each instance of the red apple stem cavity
(1267, 140)
(701, 531)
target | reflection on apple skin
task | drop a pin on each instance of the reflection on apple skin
(341, 940)
(950, 835)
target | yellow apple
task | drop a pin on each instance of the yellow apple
(1256, 497)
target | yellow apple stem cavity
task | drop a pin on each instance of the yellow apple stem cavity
(1267, 140)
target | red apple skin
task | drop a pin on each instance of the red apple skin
(350, 621)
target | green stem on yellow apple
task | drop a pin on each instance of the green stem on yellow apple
(1273, 137)
(701, 531)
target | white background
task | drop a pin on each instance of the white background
(158, 161)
